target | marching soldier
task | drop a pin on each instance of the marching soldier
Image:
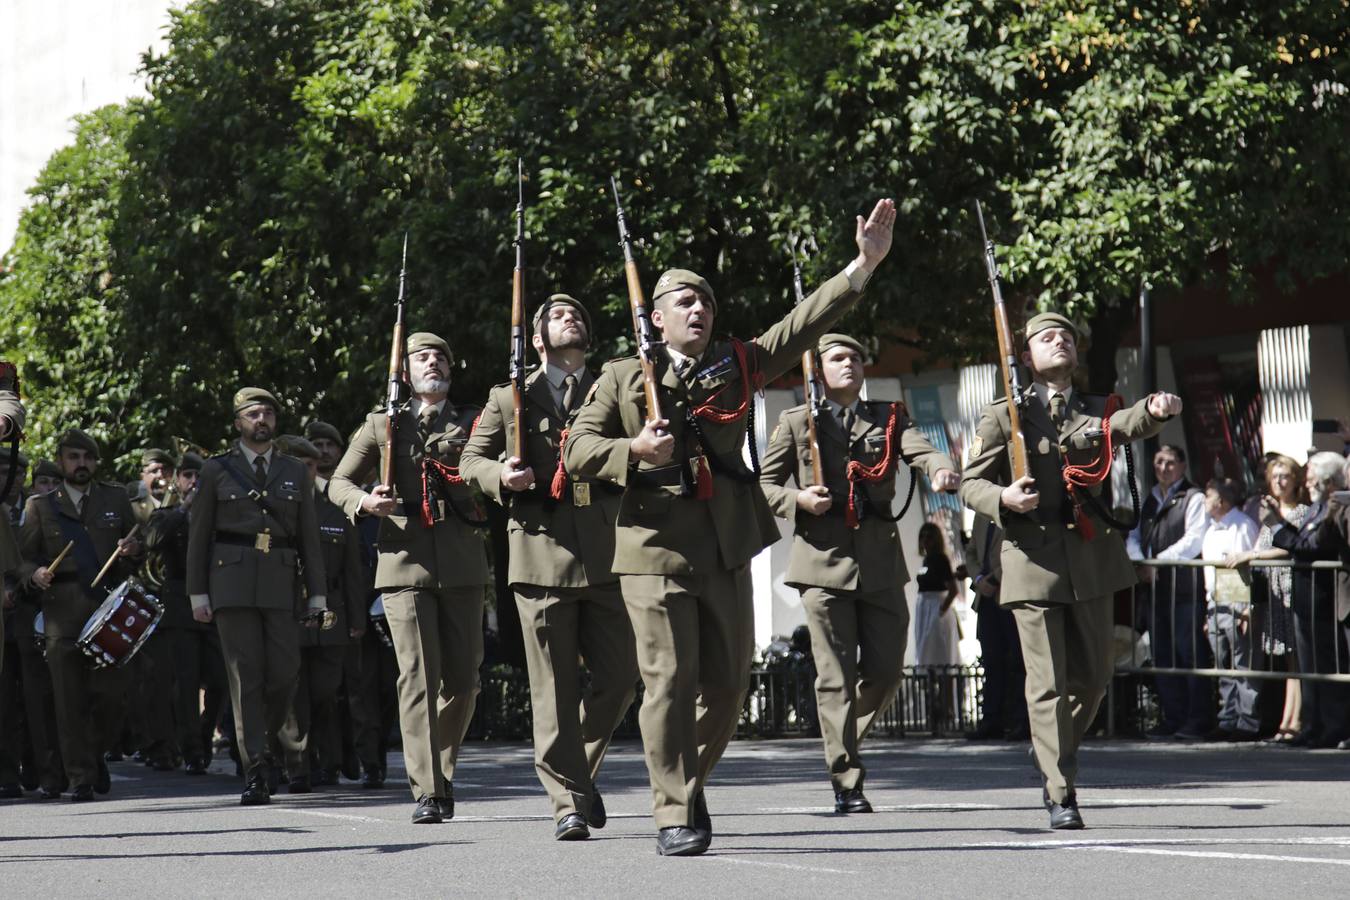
(15, 747)
(157, 469)
(1061, 560)
(432, 568)
(561, 549)
(97, 518)
(11, 426)
(692, 517)
(314, 722)
(846, 558)
(252, 535)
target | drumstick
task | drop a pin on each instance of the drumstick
(51, 567)
(112, 559)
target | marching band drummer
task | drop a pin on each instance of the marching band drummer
(97, 517)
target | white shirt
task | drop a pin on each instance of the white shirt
(1043, 393)
(1189, 545)
(1234, 533)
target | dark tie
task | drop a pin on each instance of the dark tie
(846, 420)
(79, 507)
(260, 470)
(569, 398)
(426, 421)
(1057, 404)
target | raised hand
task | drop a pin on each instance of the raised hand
(875, 235)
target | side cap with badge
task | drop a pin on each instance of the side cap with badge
(252, 396)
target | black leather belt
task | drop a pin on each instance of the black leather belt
(666, 476)
(273, 541)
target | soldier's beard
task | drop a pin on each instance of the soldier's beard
(431, 385)
(80, 477)
(259, 435)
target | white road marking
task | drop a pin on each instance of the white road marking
(326, 815)
(1110, 843)
(904, 807)
(1214, 854)
(778, 865)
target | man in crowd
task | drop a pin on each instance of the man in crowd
(561, 568)
(1003, 703)
(846, 557)
(157, 467)
(1229, 604)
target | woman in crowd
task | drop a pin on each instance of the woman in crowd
(936, 635)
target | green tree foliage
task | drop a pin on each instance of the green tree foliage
(242, 225)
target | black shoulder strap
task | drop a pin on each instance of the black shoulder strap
(86, 556)
(248, 487)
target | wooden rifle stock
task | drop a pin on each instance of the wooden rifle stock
(517, 373)
(811, 385)
(1007, 356)
(643, 330)
(397, 365)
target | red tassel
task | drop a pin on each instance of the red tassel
(851, 514)
(559, 474)
(1085, 527)
(704, 490)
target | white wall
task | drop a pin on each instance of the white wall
(59, 58)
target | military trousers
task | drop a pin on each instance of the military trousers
(197, 664)
(90, 706)
(1067, 651)
(695, 638)
(39, 702)
(438, 639)
(564, 627)
(858, 642)
(262, 662)
(376, 715)
(312, 726)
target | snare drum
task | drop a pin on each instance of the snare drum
(119, 627)
(380, 622)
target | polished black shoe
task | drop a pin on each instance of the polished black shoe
(1064, 816)
(351, 769)
(680, 841)
(598, 815)
(103, 782)
(194, 767)
(851, 802)
(702, 821)
(572, 827)
(300, 784)
(49, 793)
(257, 792)
(428, 811)
(373, 780)
(10, 791)
(446, 805)
(83, 793)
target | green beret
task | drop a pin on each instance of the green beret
(673, 280)
(252, 396)
(425, 340)
(840, 340)
(1041, 321)
(317, 429)
(295, 445)
(152, 455)
(45, 468)
(564, 299)
(191, 462)
(74, 437)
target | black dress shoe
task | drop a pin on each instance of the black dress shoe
(83, 793)
(256, 792)
(702, 821)
(103, 782)
(680, 841)
(29, 778)
(1064, 816)
(49, 793)
(446, 805)
(851, 802)
(373, 779)
(598, 816)
(300, 784)
(572, 827)
(351, 769)
(10, 791)
(428, 811)
(194, 767)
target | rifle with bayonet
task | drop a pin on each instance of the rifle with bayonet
(1018, 392)
(814, 390)
(517, 371)
(397, 393)
(647, 342)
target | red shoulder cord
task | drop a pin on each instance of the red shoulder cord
(1094, 473)
(444, 474)
(559, 484)
(750, 383)
(881, 470)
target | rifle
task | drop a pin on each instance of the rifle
(642, 323)
(815, 391)
(1018, 393)
(517, 366)
(398, 361)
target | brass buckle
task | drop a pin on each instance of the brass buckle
(581, 493)
(263, 542)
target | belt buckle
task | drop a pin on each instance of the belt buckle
(581, 493)
(263, 542)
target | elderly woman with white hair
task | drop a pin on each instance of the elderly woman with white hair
(1318, 612)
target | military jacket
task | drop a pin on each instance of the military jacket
(826, 552)
(166, 536)
(566, 543)
(1043, 559)
(348, 580)
(664, 529)
(451, 553)
(12, 409)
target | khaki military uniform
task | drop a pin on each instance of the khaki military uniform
(561, 555)
(89, 702)
(314, 723)
(684, 563)
(1058, 583)
(852, 581)
(249, 561)
(432, 580)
